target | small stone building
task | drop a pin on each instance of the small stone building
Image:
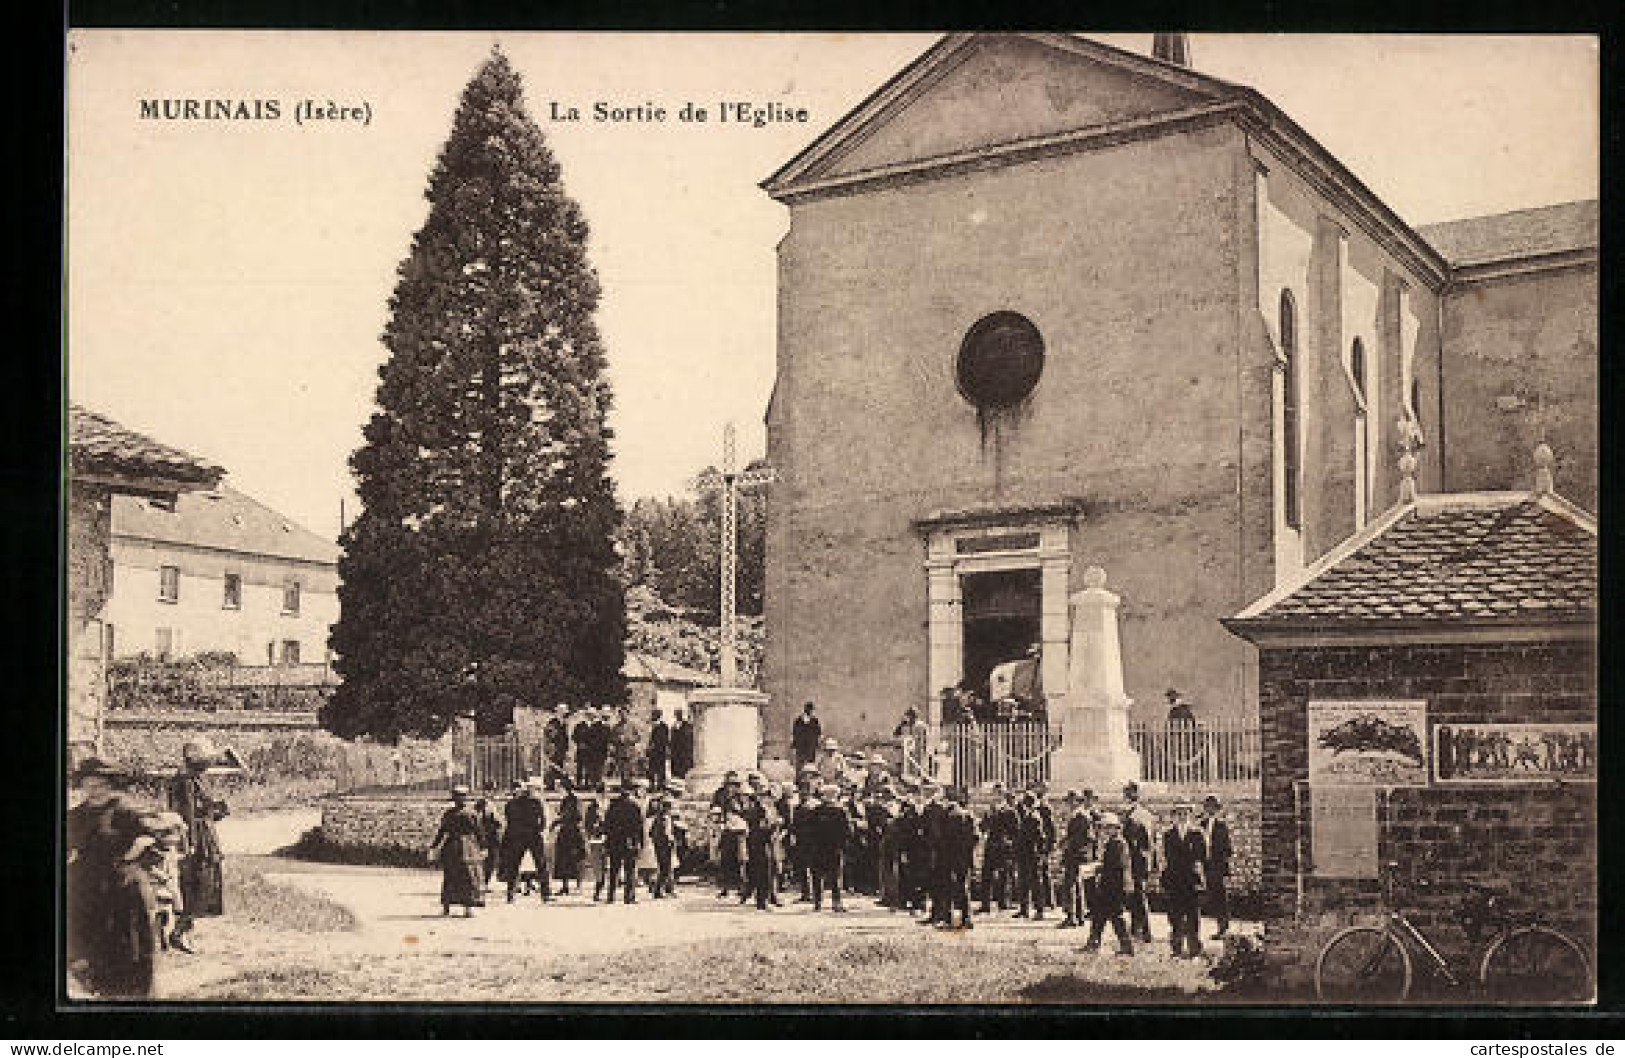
(106, 460)
(1428, 701)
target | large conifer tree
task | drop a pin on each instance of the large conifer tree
(481, 572)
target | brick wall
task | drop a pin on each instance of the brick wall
(1538, 843)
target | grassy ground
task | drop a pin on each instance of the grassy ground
(256, 902)
(766, 968)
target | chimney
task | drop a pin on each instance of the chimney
(1171, 47)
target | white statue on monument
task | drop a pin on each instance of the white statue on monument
(1095, 749)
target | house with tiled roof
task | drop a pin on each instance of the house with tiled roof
(105, 463)
(216, 571)
(1462, 629)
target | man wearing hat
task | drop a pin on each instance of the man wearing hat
(526, 821)
(1035, 836)
(934, 825)
(1183, 851)
(658, 753)
(1000, 824)
(800, 811)
(1216, 868)
(825, 837)
(1138, 826)
(806, 734)
(556, 745)
(682, 744)
(663, 841)
(958, 853)
(201, 868)
(623, 839)
(1112, 880)
(1077, 849)
(729, 800)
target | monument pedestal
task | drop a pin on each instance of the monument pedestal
(1095, 752)
(727, 735)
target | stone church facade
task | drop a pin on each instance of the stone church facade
(1046, 304)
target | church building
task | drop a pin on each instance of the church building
(1046, 304)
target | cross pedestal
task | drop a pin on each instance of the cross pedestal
(1095, 751)
(727, 735)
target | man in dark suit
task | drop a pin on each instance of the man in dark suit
(1077, 849)
(826, 830)
(526, 822)
(1216, 869)
(1183, 852)
(582, 735)
(623, 839)
(1033, 841)
(933, 846)
(1000, 825)
(1110, 886)
(1138, 824)
(682, 746)
(659, 750)
(959, 853)
(806, 733)
(556, 745)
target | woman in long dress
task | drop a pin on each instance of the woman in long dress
(202, 880)
(569, 840)
(457, 848)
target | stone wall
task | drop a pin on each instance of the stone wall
(1520, 367)
(89, 576)
(1536, 842)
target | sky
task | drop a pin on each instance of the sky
(227, 282)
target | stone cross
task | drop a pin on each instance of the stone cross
(728, 482)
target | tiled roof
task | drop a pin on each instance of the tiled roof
(648, 667)
(98, 445)
(1486, 559)
(223, 519)
(1521, 233)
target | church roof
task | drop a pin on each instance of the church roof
(100, 447)
(1521, 233)
(844, 158)
(1451, 559)
(223, 520)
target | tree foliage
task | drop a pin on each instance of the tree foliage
(482, 572)
(673, 546)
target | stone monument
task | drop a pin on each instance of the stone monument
(1095, 751)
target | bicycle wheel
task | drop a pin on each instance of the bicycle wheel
(1363, 964)
(1535, 964)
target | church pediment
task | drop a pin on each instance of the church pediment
(978, 92)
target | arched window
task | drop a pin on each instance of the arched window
(1289, 408)
(1357, 368)
(1362, 435)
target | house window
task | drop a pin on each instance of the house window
(290, 597)
(164, 646)
(233, 599)
(290, 652)
(169, 583)
(1289, 409)
(1357, 369)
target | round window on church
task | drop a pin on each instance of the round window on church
(1000, 360)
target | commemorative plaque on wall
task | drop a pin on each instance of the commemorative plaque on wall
(1514, 753)
(1368, 743)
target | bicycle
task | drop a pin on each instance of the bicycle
(1523, 962)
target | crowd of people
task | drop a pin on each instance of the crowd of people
(913, 846)
(632, 841)
(607, 746)
(139, 875)
(849, 825)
